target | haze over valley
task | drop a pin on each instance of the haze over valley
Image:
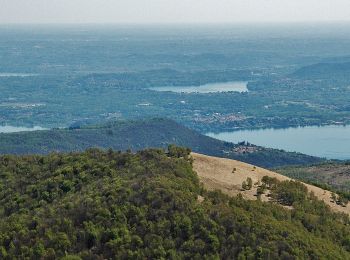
(163, 129)
(211, 79)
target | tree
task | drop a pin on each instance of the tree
(178, 152)
(269, 181)
(342, 200)
(334, 197)
(3, 253)
(260, 190)
(247, 184)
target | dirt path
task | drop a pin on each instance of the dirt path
(216, 173)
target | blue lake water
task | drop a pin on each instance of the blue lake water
(237, 86)
(17, 74)
(332, 142)
(13, 129)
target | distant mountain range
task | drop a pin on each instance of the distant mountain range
(138, 135)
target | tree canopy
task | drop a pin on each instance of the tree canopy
(120, 205)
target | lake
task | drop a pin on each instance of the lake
(17, 75)
(13, 129)
(332, 142)
(237, 86)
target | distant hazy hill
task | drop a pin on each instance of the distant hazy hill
(137, 135)
(324, 71)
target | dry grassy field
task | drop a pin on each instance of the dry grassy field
(227, 175)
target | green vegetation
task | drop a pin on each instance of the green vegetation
(247, 184)
(332, 176)
(106, 204)
(289, 192)
(138, 135)
(336, 71)
(260, 190)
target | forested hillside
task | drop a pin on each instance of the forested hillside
(150, 205)
(333, 71)
(138, 135)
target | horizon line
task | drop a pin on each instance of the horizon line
(184, 23)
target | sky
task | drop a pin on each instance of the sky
(172, 11)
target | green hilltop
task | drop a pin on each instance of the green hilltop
(150, 205)
(138, 135)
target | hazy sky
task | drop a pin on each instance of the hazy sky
(172, 11)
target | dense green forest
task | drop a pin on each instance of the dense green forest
(138, 135)
(107, 204)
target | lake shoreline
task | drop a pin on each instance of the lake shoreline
(6, 129)
(329, 141)
(218, 87)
